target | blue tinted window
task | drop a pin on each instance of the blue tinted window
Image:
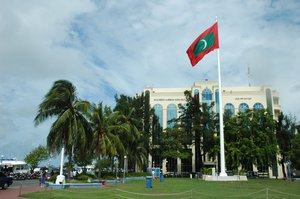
(158, 110)
(258, 106)
(243, 107)
(206, 96)
(229, 108)
(171, 114)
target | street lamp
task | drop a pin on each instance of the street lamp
(124, 168)
(116, 163)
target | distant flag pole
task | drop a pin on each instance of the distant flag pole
(204, 44)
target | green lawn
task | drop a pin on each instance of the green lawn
(182, 188)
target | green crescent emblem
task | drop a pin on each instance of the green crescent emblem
(204, 43)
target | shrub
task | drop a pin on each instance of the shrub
(207, 171)
(82, 177)
(136, 174)
(85, 177)
(53, 178)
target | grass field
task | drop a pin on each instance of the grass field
(181, 188)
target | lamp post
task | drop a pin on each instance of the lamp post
(116, 163)
(125, 157)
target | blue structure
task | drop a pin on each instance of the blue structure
(161, 179)
(156, 171)
(149, 182)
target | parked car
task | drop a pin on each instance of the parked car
(5, 181)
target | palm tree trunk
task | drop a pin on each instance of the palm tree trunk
(99, 169)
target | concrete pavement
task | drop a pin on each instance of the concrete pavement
(20, 187)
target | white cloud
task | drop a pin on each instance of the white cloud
(112, 46)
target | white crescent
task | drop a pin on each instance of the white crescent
(205, 43)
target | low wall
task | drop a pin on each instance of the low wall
(96, 184)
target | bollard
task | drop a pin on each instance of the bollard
(161, 178)
(149, 182)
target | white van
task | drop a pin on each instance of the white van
(14, 166)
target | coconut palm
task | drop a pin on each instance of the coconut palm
(104, 125)
(131, 136)
(70, 128)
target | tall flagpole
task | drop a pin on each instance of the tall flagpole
(222, 148)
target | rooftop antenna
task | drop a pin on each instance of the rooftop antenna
(249, 76)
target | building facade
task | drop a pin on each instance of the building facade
(165, 102)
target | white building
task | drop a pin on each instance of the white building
(165, 102)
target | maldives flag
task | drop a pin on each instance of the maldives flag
(205, 43)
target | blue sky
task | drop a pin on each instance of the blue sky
(119, 47)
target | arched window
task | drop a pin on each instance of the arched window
(243, 107)
(158, 110)
(258, 106)
(196, 94)
(217, 100)
(229, 108)
(171, 114)
(207, 96)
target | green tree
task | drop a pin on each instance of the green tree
(209, 121)
(37, 155)
(285, 132)
(156, 133)
(263, 131)
(70, 128)
(190, 121)
(131, 110)
(106, 140)
(102, 164)
(146, 123)
(103, 122)
(83, 157)
(199, 123)
(250, 139)
(174, 144)
(295, 152)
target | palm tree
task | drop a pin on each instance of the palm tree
(133, 142)
(71, 128)
(103, 122)
(106, 141)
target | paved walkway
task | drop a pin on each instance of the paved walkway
(20, 187)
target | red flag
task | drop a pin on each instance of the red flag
(205, 43)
